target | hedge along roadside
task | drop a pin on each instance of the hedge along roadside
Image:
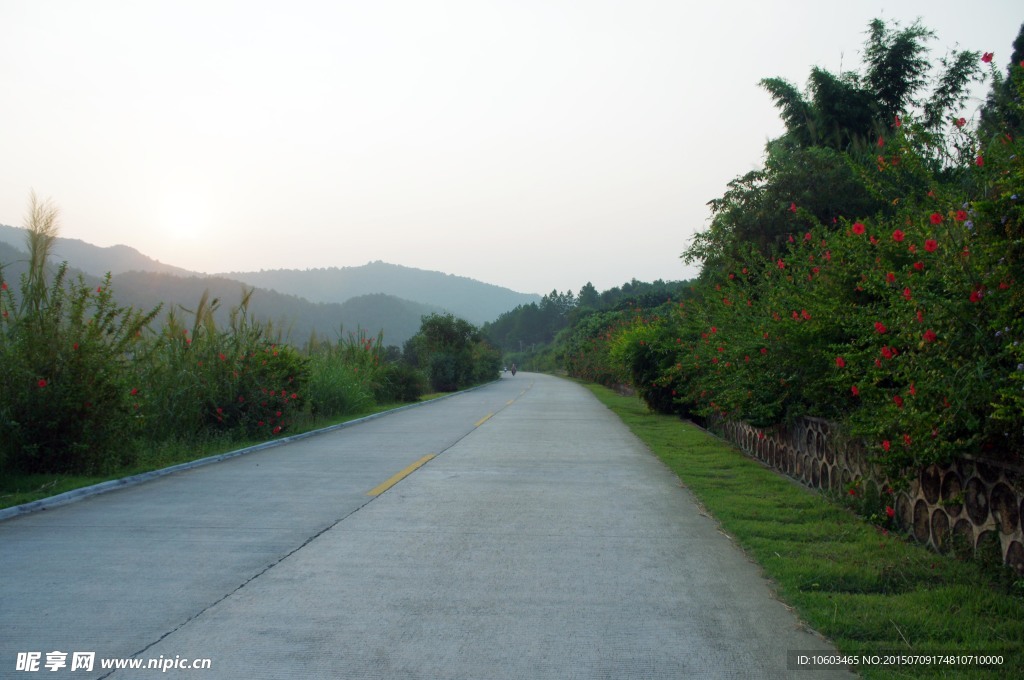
(907, 327)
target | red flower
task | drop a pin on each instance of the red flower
(979, 161)
(890, 511)
(986, 58)
(856, 392)
(41, 383)
(858, 228)
(792, 207)
(897, 122)
(919, 266)
(885, 444)
(135, 390)
(931, 245)
(936, 218)
(3, 285)
(880, 327)
(961, 215)
(781, 264)
(960, 122)
(805, 314)
(906, 293)
(852, 492)
(840, 362)
(899, 400)
(976, 295)
(897, 236)
(277, 429)
(887, 352)
(890, 277)
(929, 336)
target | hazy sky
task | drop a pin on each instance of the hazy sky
(531, 144)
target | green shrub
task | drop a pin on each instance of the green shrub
(69, 403)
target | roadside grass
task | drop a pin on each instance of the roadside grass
(869, 591)
(16, 489)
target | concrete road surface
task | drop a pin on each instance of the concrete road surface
(532, 536)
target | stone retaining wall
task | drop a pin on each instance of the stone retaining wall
(973, 500)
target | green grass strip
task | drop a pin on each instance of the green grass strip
(868, 591)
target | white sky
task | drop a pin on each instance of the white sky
(531, 144)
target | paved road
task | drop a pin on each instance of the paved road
(542, 540)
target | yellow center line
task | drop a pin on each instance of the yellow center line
(482, 420)
(396, 478)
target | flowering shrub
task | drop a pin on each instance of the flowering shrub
(68, 403)
(907, 326)
(209, 380)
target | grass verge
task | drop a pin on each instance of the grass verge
(16, 489)
(868, 591)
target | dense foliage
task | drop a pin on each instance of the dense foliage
(871, 273)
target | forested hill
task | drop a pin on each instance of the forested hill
(467, 298)
(96, 260)
(364, 304)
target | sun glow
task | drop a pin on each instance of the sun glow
(183, 219)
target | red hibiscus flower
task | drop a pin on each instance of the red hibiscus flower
(898, 236)
(961, 215)
(931, 245)
(840, 362)
(880, 327)
(929, 336)
(858, 228)
(986, 58)
(936, 218)
(856, 392)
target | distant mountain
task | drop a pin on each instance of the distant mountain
(95, 259)
(294, 317)
(467, 298)
(375, 297)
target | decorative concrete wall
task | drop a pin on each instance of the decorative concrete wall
(974, 500)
